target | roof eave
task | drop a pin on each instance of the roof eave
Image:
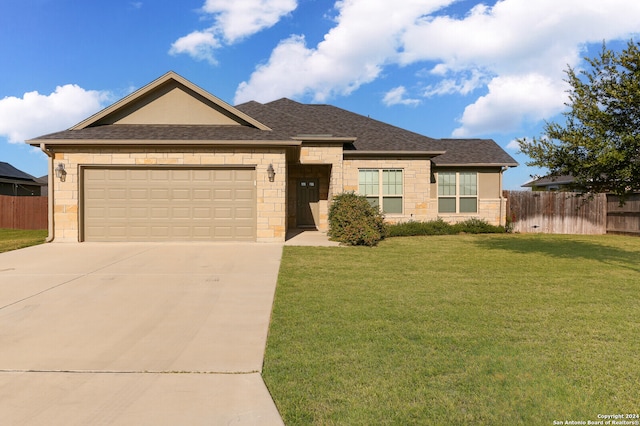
(325, 138)
(159, 142)
(476, 164)
(407, 154)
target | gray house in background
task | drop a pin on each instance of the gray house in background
(550, 183)
(15, 182)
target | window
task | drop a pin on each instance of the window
(382, 188)
(457, 192)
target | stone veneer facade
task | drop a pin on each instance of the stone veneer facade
(276, 203)
(271, 214)
(416, 185)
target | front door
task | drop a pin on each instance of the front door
(308, 197)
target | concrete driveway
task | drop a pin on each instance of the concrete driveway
(144, 334)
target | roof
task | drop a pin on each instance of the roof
(549, 180)
(282, 122)
(9, 172)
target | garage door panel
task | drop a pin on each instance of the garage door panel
(146, 204)
(244, 194)
(159, 175)
(117, 213)
(243, 213)
(244, 176)
(202, 194)
(138, 194)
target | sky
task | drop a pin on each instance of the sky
(441, 68)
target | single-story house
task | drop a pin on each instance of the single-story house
(550, 183)
(173, 162)
(15, 182)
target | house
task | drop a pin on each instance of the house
(15, 182)
(551, 183)
(173, 162)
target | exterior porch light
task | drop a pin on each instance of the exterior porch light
(271, 173)
(61, 173)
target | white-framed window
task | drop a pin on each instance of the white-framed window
(383, 188)
(457, 192)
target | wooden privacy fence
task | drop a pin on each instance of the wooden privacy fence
(556, 212)
(623, 219)
(23, 212)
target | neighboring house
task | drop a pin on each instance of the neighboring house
(17, 183)
(44, 181)
(173, 162)
(550, 183)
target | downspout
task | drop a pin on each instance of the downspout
(503, 219)
(50, 180)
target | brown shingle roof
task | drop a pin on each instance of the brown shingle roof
(289, 119)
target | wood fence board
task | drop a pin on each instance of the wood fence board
(23, 212)
(556, 212)
(623, 219)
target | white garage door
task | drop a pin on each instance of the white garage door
(160, 204)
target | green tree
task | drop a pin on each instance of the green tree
(599, 144)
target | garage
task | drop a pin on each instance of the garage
(168, 204)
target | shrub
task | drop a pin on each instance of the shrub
(477, 226)
(413, 228)
(353, 221)
(440, 227)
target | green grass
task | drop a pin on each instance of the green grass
(13, 239)
(470, 329)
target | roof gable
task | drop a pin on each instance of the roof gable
(171, 100)
(10, 172)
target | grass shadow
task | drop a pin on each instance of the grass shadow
(609, 249)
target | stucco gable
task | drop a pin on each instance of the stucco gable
(171, 100)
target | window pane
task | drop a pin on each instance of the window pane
(368, 182)
(446, 183)
(446, 205)
(392, 182)
(392, 205)
(468, 205)
(374, 201)
(468, 183)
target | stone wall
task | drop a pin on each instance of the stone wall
(271, 214)
(416, 185)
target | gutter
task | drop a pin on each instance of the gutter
(503, 217)
(51, 234)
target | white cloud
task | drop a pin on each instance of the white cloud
(242, 18)
(463, 85)
(35, 114)
(511, 100)
(233, 21)
(513, 145)
(397, 97)
(515, 50)
(199, 44)
(367, 37)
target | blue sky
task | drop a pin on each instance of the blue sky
(442, 68)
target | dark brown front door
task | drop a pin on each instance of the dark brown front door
(308, 197)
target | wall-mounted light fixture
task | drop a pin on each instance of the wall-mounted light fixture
(61, 173)
(271, 173)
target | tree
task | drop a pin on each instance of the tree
(599, 144)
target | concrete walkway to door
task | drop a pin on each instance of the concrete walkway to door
(136, 333)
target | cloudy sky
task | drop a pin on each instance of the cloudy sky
(443, 68)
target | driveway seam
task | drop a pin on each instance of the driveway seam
(71, 280)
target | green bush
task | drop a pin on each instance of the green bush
(353, 221)
(477, 226)
(440, 227)
(413, 228)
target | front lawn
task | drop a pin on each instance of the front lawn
(469, 329)
(13, 239)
